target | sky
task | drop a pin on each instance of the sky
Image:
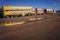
(53, 4)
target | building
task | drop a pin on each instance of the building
(16, 10)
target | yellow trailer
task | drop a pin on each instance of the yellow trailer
(16, 10)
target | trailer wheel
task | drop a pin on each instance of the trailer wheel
(9, 16)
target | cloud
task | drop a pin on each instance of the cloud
(55, 4)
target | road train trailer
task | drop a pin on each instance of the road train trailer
(9, 11)
(44, 11)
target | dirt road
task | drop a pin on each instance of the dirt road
(48, 29)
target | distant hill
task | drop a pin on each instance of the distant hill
(58, 11)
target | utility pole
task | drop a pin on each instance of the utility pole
(45, 11)
(36, 11)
